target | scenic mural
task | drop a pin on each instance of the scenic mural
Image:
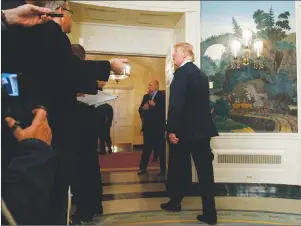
(249, 54)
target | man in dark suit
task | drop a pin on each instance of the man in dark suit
(52, 77)
(190, 128)
(27, 159)
(141, 113)
(87, 185)
(105, 114)
(153, 109)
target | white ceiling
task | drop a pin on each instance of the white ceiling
(106, 15)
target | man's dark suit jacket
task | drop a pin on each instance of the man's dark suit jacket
(189, 113)
(52, 75)
(109, 115)
(154, 117)
(105, 115)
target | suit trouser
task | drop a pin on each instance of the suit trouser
(153, 139)
(156, 155)
(105, 137)
(179, 172)
(88, 177)
(59, 193)
(66, 153)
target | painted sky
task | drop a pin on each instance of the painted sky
(216, 16)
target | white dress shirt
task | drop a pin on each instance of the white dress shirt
(185, 62)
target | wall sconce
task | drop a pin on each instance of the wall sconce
(235, 50)
(258, 47)
(124, 75)
(243, 47)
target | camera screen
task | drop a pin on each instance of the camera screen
(9, 84)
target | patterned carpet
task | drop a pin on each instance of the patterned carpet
(225, 217)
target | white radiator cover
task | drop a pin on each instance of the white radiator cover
(251, 166)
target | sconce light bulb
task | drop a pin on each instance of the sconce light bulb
(235, 46)
(258, 46)
(247, 37)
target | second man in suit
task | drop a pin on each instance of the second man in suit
(105, 115)
(153, 109)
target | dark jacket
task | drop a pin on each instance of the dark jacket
(27, 182)
(108, 114)
(154, 117)
(52, 75)
(189, 113)
(104, 116)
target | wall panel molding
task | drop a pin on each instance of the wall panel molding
(127, 39)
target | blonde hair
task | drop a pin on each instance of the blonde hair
(187, 48)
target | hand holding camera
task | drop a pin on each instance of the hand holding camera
(39, 129)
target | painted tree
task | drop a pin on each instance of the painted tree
(283, 20)
(208, 66)
(268, 28)
(236, 28)
(222, 108)
(280, 84)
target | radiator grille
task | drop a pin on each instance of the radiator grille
(249, 159)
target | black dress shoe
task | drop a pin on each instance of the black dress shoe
(81, 220)
(207, 219)
(98, 212)
(142, 172)
(169, 206)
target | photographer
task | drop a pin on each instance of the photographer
(27, 181)
(28, 161)
(52, 77)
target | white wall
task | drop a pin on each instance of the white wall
(119, 39)
(179, 31)
(193, 30)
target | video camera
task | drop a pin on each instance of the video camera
(12, 102)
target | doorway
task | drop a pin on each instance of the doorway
(126, 132)
(122, 130)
